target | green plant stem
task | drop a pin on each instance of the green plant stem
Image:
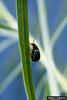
(22, 15)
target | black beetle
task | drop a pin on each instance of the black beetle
(35, 53)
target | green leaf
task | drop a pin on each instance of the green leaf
(47, 91)
(23, 33)
(4, 26)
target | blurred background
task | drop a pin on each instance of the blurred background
(10, 70)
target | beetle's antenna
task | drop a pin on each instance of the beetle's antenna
(35, 35)
(34, 38)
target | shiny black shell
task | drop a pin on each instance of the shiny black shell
(35, 53)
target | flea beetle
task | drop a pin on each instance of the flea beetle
(35, 53)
